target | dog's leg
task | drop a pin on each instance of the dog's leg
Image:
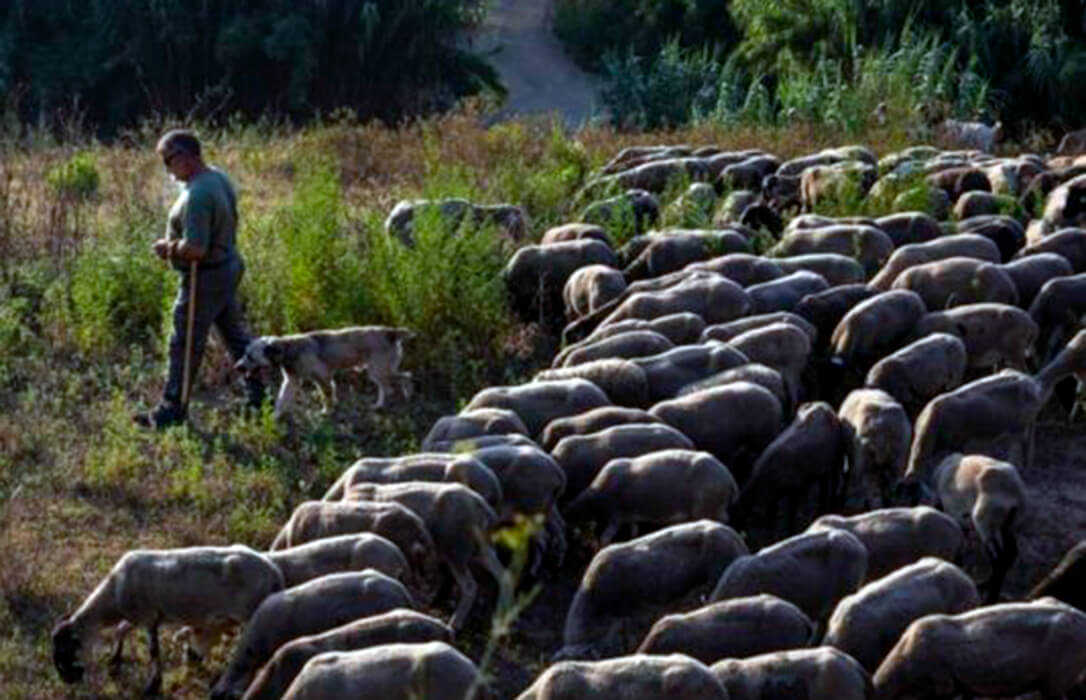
(285, 399)
(407, 386)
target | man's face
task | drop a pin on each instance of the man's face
(178, 164)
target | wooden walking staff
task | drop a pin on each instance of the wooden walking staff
(186, 369)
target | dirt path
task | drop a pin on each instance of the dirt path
(516, 38)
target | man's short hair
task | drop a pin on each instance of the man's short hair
(178, 141)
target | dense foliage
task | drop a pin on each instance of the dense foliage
(116, 61)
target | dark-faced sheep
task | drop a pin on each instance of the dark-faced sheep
(629, 677)
(669, 371)
(590, 288)
(634, 210)
(825, 309)
(993, 334)
(1068, 242)
(669, 251)
(538, 403)
(680, 328)
(1006, 232)
(742, 268)
(823, 673)
(536, 275)
(623, 381)
(625, 345)
(784, 293)
(1058, 310)
(783, 346)
(331, 555)
(724, 332)
(866, 244)
(592, 422)
(897, 537)
(835, 269)
(713, 297)
(956, 181)
(968, 245)
(642, 578)
(876, 433)
(957, 281)
(1033, 272)
(875, 327)
(574, 232)
(435, 467)
(920, 371)
(905, 228)
(753, 372)
(731, 629)
(469, 424)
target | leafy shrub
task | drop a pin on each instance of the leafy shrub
(663, 92)
(75, 179)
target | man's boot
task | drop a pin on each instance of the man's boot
(164, 415)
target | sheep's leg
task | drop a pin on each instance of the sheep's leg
(468, 589)
(116, 659)
(154, 685)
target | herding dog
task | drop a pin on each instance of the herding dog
(315, 355)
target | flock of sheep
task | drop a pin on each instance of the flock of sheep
(822, 439)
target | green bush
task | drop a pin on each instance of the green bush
(75, 179)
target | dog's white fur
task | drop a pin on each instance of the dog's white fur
(317, 354)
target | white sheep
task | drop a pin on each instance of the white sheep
(209, 588)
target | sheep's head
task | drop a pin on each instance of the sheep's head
(66, 652)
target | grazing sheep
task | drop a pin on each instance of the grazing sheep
(592, 422)
(753, 372)
(591, 287)
(780, 190)
(669, 371)
(909, 227)
(1068, 242)
(993, 334)
(1065, 581)
(849, 180)
(957, 281)
(1006, 232)
(875, 327)
(483, 441)
(957, 180)
(813, 571)
(742, 268)
(632, 156)
(664, 487)
(680, 328)
(1058, 308)
(825, 309)
(316, 606)
(1066, 204)
(636, 209)
(897, 537)
(595, 323)
(867, 624)
(538, 403)
(637, 677)
(433, 670)
(736, 201)
(978, 203)
(1031, 273)
(582, 457)
(1073, 143)
(747, 174)
(866, 244)
(536, 275)
(1003, 650)
(724, 332)
(823, 673)
(629, 581)
(398, 626)
(694, 207)
(331, 555)
(784, 293)
(575, 232)
(451, 468)
(209, 588)
(655, 175)
(749, 418)
(316, 520)
(978, 414)
(624, 382)
(713, 297)
(625, 345)
(669, 251)
(460, 523)
(784, 347)
(807, 452)
(920, 371)
(835, 269)
(469, 424)
(969, 245)
(731, 629)
(876, 432)
(985, 496)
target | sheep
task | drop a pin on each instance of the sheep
(813, 571)
(628, 581)
(624, 382)
(629, 344)
(782, 346)
(909, 227)
(329, 555)
(632, 156)
(713, 297)
(835, 269)
(398, 626)
(971, 135)
(635, 677)
(591, 422)
(747, 174)
(807, 452)
(694, 207)
(1031, 273)
(582, 457)
(742, 268)
(822, 673)
(734, 204)
(655, 175)
(451, 468)
(784, 293)
(724, 332)
(931, 199)
(1006, 232)
(634, 208)
(483, 441)
(877, 434)
(867, 624)
(664, 487)
(538, 403)
(920, 371)
(874, 327)
(978, 203)
(957, 281)
(1002, 650)
(1058, 308)
(1073, 143)
(866, 244)
(1066, 204)
(985, 496)
(680, 328)
(315, 606)
(316, 520)
(968, 245)
(993, 334)
(897, 537)
(460, 523)
(1064, 582)
(718, 161)
(753, 372)
(1068, 242)
(469, 424)
(780, 190)
(574, 232)
(735, 629)
(670, 251)
(749, 419)
(590, 287)
(434, 670)
(956, 181)
(535, 276)
(209, 588)
(981, 412)
(825, 309)
(669, 371)
(844, 180)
